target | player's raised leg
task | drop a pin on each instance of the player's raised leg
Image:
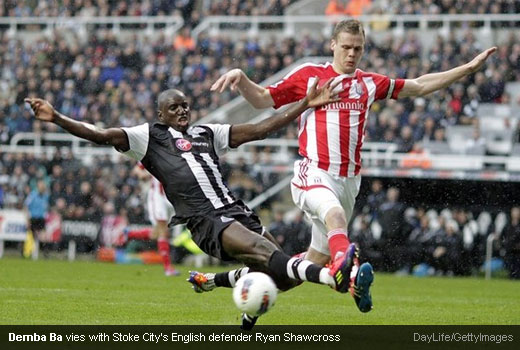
(253, 249)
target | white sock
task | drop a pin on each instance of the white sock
(327, 279)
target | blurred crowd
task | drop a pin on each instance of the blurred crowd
(89, 192)
(91, 8)
(110, 82)
(425, 7)
(451, 241)
(394, 236)
(405, 239)
(114, 81)
(245, 7)
(94, 8)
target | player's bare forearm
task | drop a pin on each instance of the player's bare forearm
(113, 136)
(429, 83)
(44, 111)
(243, 133)
(255, 94)
(258, 96)
(316, 96)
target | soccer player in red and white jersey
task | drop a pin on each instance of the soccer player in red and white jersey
(327, 180)
(160, 211)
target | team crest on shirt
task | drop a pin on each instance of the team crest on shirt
(356, 90)
(183, 144)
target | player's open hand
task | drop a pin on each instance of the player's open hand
(479, 61)
(231, 79)
(42, 109)
(328, 93)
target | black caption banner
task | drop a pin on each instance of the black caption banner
(261, 337)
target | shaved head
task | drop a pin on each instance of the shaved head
(166, 95)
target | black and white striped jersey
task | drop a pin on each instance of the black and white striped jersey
(186, 164)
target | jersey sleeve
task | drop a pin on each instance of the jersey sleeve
(386, 87)
(292, 88)
(220, 137)
(138, 137)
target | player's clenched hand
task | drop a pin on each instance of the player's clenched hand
(478, 61)
(231, 78)
(328, 93)
(42, 109)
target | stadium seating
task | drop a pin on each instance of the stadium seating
(109, 73)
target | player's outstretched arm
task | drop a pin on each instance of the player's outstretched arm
(256, 95)
(317, 96)
(428, 83)
(44, 111)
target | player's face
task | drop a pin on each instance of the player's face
(175, 112)
(347, 49)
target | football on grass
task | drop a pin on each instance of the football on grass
(255, 293)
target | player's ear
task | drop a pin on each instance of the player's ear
(332, 44)
(160, 115)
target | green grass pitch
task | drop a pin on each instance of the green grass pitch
(61, 292)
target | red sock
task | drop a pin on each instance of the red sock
(142, 234)
(164, 250)
(338, 242)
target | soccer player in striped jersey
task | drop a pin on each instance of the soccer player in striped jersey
(326, 181)
(185, 159)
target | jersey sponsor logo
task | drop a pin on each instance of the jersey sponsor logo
(183, 144)
(335, 106)
(202, 144)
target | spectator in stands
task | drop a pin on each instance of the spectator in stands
(298, 235)
(352, 8)
(376, 197)
(418, 242)
(446, 248)
(406, 141)
(391, 218)
(511, 243)
(278, 227)
(363, 236)
(476, 144)
(183, 41)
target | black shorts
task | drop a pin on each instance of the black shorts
(206, 230)
(37, 224)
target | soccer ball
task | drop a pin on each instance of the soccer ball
(255, 293)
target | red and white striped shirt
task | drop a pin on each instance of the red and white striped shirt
(331, 136)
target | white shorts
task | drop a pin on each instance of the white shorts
(315, 191)
(159, 208)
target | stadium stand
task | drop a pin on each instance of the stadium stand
(109, 78)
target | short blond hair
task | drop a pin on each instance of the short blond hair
(351, 26)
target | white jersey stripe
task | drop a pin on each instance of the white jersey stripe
(333, 141)
(203, 180)
(371, 87)
(312, 145)
(176, 134)
(218, 175)
(390, 88)
(354, 122)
